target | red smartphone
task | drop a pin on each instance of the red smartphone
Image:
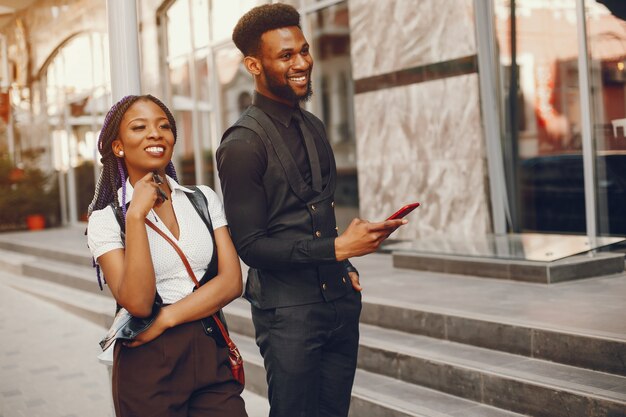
(403, 211)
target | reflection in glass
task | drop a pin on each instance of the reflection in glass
(184, 147)
(606, 39)
(200, 15)
(189, 72)
(235, 85)
(179, 77)
(203, 77)
(178, 36)
(74, 96)
(521, 247)
(542, 145)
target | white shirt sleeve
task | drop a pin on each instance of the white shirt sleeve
(103, 232)
(216, 208)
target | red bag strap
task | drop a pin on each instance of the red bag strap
(183, 258)
(178, 251)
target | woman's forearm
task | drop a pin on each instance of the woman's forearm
(216, 293)
(137, 288)
(205, 301)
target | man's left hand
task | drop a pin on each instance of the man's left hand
(354, 280)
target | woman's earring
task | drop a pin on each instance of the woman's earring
(121, 154)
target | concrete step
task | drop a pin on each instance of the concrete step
(72, 275)
(414, 345)
(600, 352)
(376, 395)
(38, 244)
(597, 351)
(96, 308)
(593, 352)
(13, 262)
(546, 261)
(507, 381)
(373, 396)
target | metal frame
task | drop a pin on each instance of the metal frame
(586, 126)
(489, 95)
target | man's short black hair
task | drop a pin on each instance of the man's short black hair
(261, 19)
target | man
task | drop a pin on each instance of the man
(278, 178)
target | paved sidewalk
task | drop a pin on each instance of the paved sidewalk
(48, 364)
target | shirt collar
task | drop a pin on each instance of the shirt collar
(170, 181)
(278, 111)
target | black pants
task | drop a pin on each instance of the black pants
(310, 354)
(182, 373)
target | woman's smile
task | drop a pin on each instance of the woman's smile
(157, 151)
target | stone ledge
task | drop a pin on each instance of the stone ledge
(568, 269)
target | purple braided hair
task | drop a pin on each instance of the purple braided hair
(113, 174)
(120, 168)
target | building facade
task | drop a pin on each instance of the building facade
(497, 115)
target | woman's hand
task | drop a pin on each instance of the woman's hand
(144, 196)
(156, 329)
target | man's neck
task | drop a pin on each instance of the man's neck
(276, 98)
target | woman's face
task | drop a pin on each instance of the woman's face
(146, 138)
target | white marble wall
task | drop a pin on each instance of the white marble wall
(389, 35)
(422, 142)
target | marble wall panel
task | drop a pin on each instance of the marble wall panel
(391, 35)
(424, 142)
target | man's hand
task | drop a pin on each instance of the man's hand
(354, 280)
(362, 237)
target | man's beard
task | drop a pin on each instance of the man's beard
(285, 91)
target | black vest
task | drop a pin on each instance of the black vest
(295, 212)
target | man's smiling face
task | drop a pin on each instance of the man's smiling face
(286, 65)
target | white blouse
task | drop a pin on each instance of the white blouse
(172, 280)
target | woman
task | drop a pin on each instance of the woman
(173, 368)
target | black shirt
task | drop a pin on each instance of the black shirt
(242, 161)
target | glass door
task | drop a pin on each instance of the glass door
(542, 144)
(606, 40)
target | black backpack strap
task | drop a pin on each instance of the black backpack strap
(200, 204)
(120, 220)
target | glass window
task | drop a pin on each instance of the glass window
(203, 77)
(329, 36)
(188, 60)
(200, 15)
(179, 77)
(542, 141)
(225, 15)
(606, 41)
(178, 35)
(76, 99)
(235, 85)
(184, 154)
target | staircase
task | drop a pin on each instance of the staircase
(432, 344)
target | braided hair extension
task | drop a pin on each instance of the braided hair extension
(114, 171)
